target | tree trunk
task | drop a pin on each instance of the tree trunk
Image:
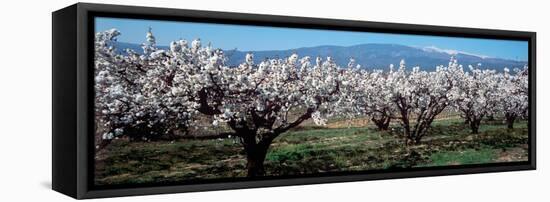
(255, 163)
(474, 125)
(255, 155)
(407, 133)
(383, 123)
(417, 140)
(510, 121)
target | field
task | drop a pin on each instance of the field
(308, 150)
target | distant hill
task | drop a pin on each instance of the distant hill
(370, 56)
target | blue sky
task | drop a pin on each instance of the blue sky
(254, 38)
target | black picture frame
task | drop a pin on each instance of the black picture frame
(72, 97)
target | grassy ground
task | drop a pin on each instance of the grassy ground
(312, 150)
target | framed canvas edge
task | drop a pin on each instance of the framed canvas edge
(297, 181)
(85, 92)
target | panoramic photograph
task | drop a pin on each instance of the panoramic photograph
(179, 102)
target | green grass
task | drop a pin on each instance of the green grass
(310, 150)
(468, 156)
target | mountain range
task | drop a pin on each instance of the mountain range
(369, 56)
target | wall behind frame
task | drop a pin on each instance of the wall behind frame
(25, 86)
